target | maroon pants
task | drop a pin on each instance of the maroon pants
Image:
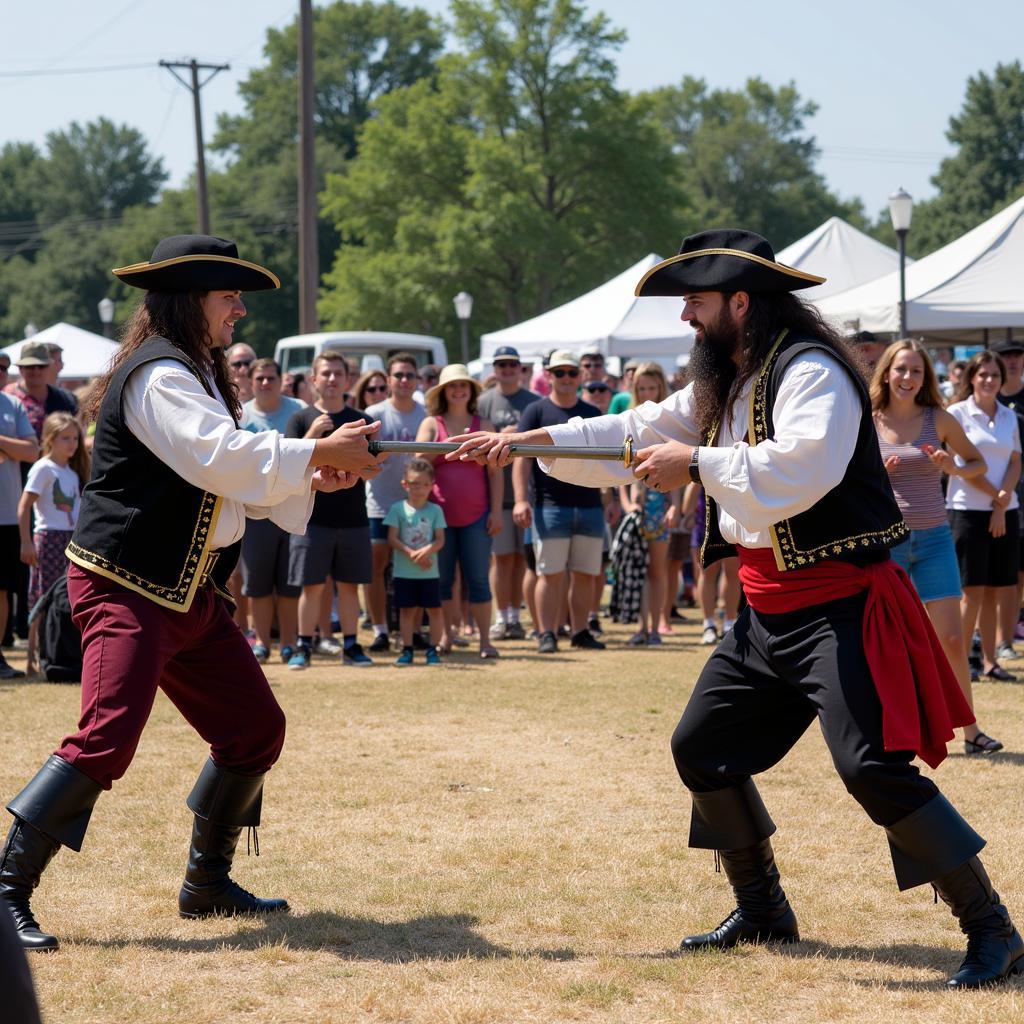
(199, 658)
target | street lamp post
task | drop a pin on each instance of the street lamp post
(106, 308)
(464, 310)
(901, 209)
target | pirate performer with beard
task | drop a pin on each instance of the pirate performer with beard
(776, 425)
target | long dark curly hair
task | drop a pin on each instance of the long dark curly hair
(718, 380)
(178, 318)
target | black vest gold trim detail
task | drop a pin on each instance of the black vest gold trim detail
(852, 529)
(140, 524)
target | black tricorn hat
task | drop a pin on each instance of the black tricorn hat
(197, 263)
(723, 260)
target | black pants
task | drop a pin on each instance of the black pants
(764, 685)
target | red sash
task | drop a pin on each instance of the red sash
(921, 699)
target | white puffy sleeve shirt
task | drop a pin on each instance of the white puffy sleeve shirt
(262, 476)
(817, 417)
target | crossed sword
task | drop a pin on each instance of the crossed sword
(623, 454)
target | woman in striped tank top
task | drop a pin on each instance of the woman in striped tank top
(914, 433)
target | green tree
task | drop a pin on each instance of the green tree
(987, 170)
(362, 51)
(96, 171)
(19, 204)
(746, 158)
(521, 174)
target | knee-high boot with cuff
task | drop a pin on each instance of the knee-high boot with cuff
(52, 811)
(936, 845)
(223, 803)
(735, 823)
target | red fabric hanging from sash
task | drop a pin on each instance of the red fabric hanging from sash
(921, 699)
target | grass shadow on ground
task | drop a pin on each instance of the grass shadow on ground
(432, 937)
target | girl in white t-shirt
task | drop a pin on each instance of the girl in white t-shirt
(52, 491)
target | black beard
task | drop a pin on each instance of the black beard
(713, 371)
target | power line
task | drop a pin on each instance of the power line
(47, 72)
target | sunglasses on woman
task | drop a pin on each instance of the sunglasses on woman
(374, 389)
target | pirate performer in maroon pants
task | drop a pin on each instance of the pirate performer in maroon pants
(777, 427)
(158, 536)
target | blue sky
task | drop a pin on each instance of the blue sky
(886, 75)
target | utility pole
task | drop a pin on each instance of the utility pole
(309, 272)
(193, 87)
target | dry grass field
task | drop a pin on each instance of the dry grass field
(497, 842)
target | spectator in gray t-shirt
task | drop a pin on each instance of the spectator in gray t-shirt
(503, 405)
(400, 417)
(17, 444)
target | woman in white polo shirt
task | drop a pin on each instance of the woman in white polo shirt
(986, 535)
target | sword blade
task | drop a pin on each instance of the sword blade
(545, 451)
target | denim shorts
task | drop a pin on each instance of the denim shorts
(564, 521)
(567, 537)
(929, 558)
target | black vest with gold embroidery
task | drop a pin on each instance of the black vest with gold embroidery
(140, 523)
(857, 520)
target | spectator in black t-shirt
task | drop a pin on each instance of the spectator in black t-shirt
(567, 520)
(337, 539)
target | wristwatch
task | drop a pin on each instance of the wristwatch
(694, 466)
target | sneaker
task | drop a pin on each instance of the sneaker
(499, 631)
(9, 671)
(420, 642)
(585, 640)
(299, 660)
(1006, 652)
(381, 643)
(514, 631)
(637, 640)
(564, 631)
(709, 636)
(594, 625)
(547, 643)
(327, 645)
(405, 658)
(260, 653)
(286, 653)
(355, 657)
(433, 658)
(653, 640)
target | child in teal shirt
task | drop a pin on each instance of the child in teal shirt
(416, 533)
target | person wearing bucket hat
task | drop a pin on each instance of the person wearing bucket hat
(157, 537)
(776, 425)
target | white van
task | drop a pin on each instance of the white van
(371, 348)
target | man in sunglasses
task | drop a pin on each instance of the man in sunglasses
(428, 377)
(567, 519)
(240, 358)
(503, 405)
(400, 417)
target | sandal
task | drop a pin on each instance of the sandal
(981, 744)
(489, 652)
(1000, 673)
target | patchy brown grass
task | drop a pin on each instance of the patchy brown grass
(500, 842)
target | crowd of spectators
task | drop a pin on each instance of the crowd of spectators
(435, 555)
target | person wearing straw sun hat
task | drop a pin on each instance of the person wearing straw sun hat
(157, 537)
(471, 498)
(776, 425)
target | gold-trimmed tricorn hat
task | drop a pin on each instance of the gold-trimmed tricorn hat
(724, 260)
(197, 263)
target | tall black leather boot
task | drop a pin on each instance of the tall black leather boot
(223, 803)
(995, 949)
(735, 823)
(762, 913)
(53, 810)
(25, 856)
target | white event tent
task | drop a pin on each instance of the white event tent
(973, 284)
(610, 318)
(841, 254)
(85, 354)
